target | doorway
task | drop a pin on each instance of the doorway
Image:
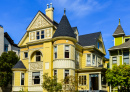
(94, 82)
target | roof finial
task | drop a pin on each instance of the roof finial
(119, 22)
(64, 11)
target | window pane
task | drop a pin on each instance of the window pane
(80, 80)
(93, 62)
(66, 48)
(88, 59)
(42, 32)
(37, 33)
(66, 54)
(36, 81)
(55, 49)
(55, 55)
(22, 78)
(38, 37)
(55, 72)
(38, 53)
(36, 74)
(38, 58)
(26, 54)
(42, 36)
(114, 58)
(84, 80)
(22, 82)
(126, 60)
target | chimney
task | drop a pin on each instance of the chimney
(49, 11)
(1, 39)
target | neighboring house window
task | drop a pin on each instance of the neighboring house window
(126, 57)
(38, 35)
(22, 78)
(114, 60)
(25, 54)
(66, 51)
(36, 77)
(6, 47)
(82, 80)
(42, 34)
(127, 39)
(38, 56)
(88, 59)
(94, 59)
(66, 76)
(55, 51)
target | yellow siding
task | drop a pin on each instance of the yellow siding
(72, 51)
(72, 72)
(25, 62)
(60, 52)
(83, 61)
(86, 52)
(17, 78)
(60, 73)
(23, 49)
(118, 41)
(26, 41)
(35, 46)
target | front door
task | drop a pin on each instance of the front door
(94, 82)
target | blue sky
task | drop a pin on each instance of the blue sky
(88, 15)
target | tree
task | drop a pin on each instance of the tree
(7, 61)
(50, 83)
(119, 76)
(70, 83)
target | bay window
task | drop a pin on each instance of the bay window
(126, 57)
(66, 51)
(36, 77)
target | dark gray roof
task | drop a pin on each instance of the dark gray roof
(89, 39)
(124, 45)
(19, 64)
(118, 31)
(64, 28)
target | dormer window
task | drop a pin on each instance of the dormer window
(38, 35)
(42, 34)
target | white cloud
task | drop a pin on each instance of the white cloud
(79, 7)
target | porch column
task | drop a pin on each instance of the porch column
(100, 85)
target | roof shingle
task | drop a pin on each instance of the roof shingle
(19, 64)
(64, 28)
(118, 31)
(89, 39)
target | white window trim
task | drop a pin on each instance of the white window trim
(90, 58)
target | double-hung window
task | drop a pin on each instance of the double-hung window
(88, 59)
(66, 76)
(66, 51)
(126, 57)
(82, 80)
(114, 60)
(93, 61)
(36, 77)
(38, 56)
(42, 34)
(22, 78)
(55, 52)
(38, 35)
(55, 72)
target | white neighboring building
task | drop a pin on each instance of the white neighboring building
(6, 43)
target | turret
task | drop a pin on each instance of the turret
(118, 35)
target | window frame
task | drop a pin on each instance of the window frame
(55, 52)
(114, 60)
(87, 59)
(38, 35)
(66, 51)
(82, 80)
(42, 34)
(24, 54)
(67, 74)
(38, 56)
(22, 79)
(128, 57)
(36, 78)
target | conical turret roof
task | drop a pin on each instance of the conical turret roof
(64, 28)
(119, 30)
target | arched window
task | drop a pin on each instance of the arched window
(36, 56)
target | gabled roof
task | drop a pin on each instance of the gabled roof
(6, 35)
(122, 46)
(89, 39)
(119, 30)
(64, 28)
(19, 65)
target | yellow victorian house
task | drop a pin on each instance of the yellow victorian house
(57, 49)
